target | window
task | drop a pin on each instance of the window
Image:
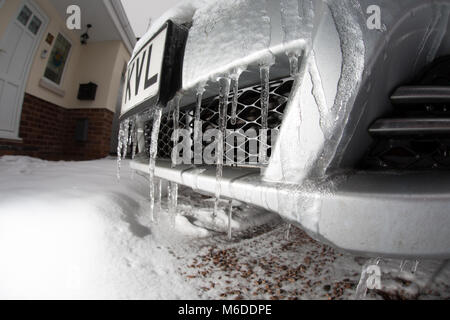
(35, 25)
(57, 60)
(24, 15)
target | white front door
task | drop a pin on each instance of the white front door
(17, 49)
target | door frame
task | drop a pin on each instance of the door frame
(14, 135)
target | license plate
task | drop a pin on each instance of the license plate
(154, 74)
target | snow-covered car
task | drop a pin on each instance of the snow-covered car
(348, 99)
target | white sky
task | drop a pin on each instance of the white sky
(140, 11)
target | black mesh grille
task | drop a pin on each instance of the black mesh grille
(409, 154)
(248, 117)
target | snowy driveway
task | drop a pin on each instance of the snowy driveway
(71, 230)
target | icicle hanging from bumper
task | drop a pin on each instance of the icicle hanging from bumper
(173, 186)
(230, 217)
(134, 138)
(126, 138)
(158, 200)
(153, 154)
(119, 149)
(224, 93)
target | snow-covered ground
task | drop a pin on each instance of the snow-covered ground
(70, 230)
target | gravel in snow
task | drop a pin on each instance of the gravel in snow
(70, 230)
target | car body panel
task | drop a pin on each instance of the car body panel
(350, 73)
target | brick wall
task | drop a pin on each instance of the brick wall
(98, 142)
(48, 132)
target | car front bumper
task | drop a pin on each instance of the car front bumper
(388, 215)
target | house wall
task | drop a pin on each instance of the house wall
(50, 113)
(48, 132)
(102, 63)
(67, 89)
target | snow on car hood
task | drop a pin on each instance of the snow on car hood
(179, 14)
(226, 35)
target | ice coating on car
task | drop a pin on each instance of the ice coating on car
(230, 37)
(297, 19)
(301, 202)
(181, 13)
(439, 27)
(353, 53)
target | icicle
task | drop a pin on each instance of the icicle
(126, 138)
(199, 95)
(133, 142)
(403, 265)
(198, 126)
(172, 196)
(293, 64)
(153, 154)
(288, 232)
(170, 110)
(230, 217)
(235, 81)
(224, 92)
(158, 199)
(176, 127)
(265, 100)
(415, 267)
(173, 187)
(119, 149)
(134, 138)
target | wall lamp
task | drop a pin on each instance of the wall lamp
(85, 36)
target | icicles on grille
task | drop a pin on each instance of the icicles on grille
(224, 92)
(153, 154)
(173, 187)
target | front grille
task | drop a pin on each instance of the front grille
(248, 117)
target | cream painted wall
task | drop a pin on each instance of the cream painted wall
(101, 62)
